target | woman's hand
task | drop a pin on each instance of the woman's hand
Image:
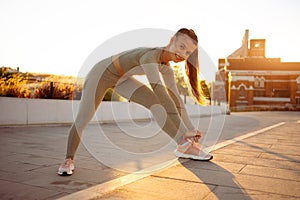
(193, 135)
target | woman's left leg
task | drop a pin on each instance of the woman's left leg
(167, 118)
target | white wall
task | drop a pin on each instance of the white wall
(19, 111)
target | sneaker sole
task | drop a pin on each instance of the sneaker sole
(192, 157)
(65, 173)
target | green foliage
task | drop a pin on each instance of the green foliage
(182, 86)
(180, 80)
(27, 85)
(44, 86)
(110, 95)
(205, 89)
(14, 85)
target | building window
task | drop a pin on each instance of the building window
(259, 86)
(298, 102)
(256, 82)
(242, 93)
(298, 83)
(259, 82)
(262, 82)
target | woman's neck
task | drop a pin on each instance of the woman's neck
(165, 56)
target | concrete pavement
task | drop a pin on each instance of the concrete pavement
(263, 165)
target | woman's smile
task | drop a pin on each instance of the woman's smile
(179, 58)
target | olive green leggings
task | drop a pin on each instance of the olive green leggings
(98, 81)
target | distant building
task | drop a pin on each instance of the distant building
(8, 70)
(247, 80)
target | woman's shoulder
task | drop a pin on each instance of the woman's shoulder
(139, 51)
(151, 55)
(145, 50)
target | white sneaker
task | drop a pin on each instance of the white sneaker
(66, 168)
(192, 151)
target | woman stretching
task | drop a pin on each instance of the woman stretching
(117, 72)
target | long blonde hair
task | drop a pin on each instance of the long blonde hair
(192, 68)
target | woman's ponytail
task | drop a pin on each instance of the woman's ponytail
(192, 72)
(192, 68)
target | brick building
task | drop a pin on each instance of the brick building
(247, 80)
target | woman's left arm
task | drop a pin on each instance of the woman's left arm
(169, 81)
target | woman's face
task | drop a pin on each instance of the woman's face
(181, 47)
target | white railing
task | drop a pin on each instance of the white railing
(19, 111)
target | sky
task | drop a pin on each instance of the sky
(59, 36)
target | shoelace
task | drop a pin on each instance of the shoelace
(194, 138)
(183, 147)
(67, 163)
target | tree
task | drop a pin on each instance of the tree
(180, 79)
(205, 89)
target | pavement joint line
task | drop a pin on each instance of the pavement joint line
(242, 137)
(103, 188)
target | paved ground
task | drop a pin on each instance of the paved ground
(263, 166)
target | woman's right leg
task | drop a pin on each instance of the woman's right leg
(96, 83)
(95, 86)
